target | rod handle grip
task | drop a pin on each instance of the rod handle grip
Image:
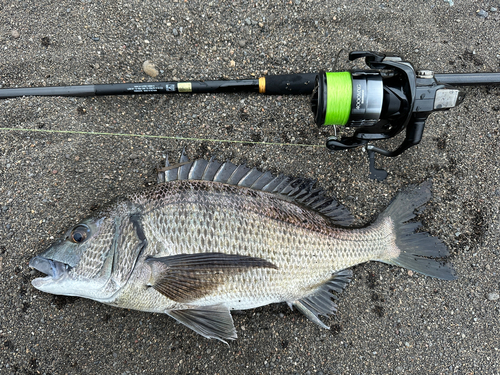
(288, 84)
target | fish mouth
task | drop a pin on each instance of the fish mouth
(52, 268)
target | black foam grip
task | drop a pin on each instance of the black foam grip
(290, 84)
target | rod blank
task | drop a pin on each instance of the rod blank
(86, 90)
(468, 79)
(135, 88)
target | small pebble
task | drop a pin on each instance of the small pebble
(149, 68)
(493, 296)
(482, 13)
(493, 9)
(242, 43)
(15, 34)
(232, 63)
(175, 32)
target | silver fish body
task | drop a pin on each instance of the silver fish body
(215, 237)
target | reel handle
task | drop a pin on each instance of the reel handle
(414, 131)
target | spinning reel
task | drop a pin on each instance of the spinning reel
(380, 103)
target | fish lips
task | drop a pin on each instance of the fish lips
(52, 268)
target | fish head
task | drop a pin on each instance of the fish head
(80, 262)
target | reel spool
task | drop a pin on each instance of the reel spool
(348, 98)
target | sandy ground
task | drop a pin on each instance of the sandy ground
(389, 320)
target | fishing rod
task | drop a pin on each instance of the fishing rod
(378, 103)
(287, 84)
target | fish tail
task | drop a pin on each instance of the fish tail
(418, 252)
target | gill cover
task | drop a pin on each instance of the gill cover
(95, 258)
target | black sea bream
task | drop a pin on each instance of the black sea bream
(212, 237)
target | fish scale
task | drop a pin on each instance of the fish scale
(213, 237)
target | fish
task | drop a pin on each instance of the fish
(214, 237)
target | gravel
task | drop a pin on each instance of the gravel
(482, 13)
(413, 323)
(493, 296)
(150, 69)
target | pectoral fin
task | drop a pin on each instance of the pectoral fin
(212, 322)
(187, 277)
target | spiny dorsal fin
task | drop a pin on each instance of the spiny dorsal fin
(299, 190)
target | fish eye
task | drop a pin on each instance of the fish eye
(79, 234)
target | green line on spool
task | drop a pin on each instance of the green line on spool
(339, 96)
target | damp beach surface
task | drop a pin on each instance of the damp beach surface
(389, 320)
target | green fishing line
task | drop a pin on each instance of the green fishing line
(176, 138)
(339, 96)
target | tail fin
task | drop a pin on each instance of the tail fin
(417, 251)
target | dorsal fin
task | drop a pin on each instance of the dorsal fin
(299, 190)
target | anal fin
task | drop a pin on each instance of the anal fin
(212, 322)
(320, 301)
